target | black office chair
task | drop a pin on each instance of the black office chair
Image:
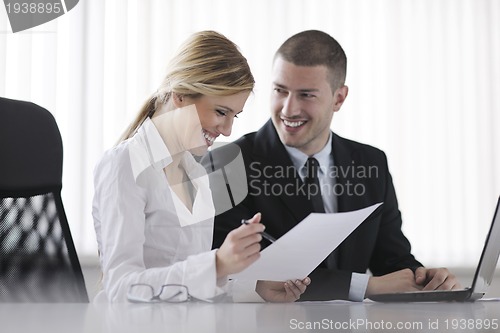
(38, 261)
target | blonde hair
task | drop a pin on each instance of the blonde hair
(207, 63)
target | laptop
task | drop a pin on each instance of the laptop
(482, 278)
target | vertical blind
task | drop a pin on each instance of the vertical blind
(424, 79)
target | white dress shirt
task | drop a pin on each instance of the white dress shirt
(359, 282)
(145, 233)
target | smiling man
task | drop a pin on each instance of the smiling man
(296, 165)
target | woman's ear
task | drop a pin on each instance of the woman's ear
(178, 100)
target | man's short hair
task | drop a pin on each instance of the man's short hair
(315, 48)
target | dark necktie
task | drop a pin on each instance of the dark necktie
(314, 193)
(312, 185)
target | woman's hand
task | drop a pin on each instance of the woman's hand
(288, 291)
(240, 249)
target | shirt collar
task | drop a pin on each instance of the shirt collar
(323, 156)
(147, 150)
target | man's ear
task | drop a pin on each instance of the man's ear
(178, 100)
(339, 97)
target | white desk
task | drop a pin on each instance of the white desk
(236, 318)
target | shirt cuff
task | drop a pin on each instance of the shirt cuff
(200, 276)
(359, 283)
(244, 291)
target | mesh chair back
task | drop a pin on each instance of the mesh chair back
(38, 261)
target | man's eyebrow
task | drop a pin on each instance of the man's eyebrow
(299, 90)
(307, 90)
(279, 85)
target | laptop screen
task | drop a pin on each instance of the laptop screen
(489, 257)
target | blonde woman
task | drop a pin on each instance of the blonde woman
(152, 208)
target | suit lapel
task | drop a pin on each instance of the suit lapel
(270, 152)
(343, 158)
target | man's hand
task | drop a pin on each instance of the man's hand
(400, 281)
(436, 279)
(288, 291)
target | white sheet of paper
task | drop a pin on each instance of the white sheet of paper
(298, 252)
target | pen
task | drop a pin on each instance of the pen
(263, 233)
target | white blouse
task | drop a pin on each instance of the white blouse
(145, 234)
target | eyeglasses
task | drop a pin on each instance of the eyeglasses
(170, 293)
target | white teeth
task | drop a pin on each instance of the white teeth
(209, 138)
(293, 123)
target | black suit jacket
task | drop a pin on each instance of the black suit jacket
(362, 179)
